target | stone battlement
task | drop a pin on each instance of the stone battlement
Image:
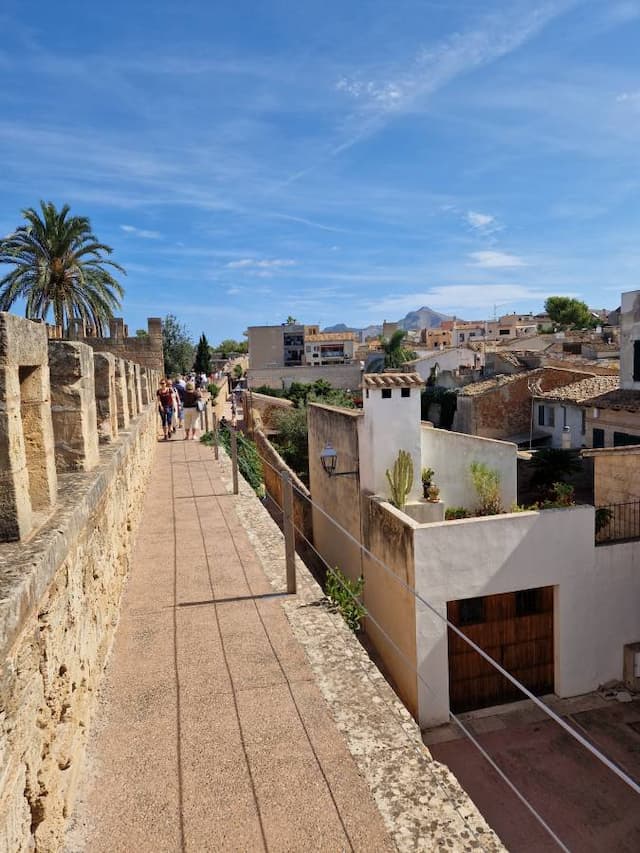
(77, 437)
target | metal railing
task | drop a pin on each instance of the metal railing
(617, 522)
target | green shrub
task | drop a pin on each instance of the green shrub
(345, 595)
(486, 482)
(249, 462)
(603, 517)
(213, 390)
(453, 512)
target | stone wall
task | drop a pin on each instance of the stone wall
(69, 508)
(146, 350)
(339, 375)
(501, 408)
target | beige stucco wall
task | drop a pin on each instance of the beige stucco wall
(388, 597)
(610, 420)
(616, 474)
(266, 347)
(59, 598)
(339, 497)
(339, 375)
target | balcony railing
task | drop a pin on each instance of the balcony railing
(617, 522)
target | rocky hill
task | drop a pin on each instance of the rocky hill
(423, 318)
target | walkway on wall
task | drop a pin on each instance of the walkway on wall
(211, 733)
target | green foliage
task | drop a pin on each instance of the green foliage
(229, 347)
(177, 346)
(213, 390)
(292, 440)
(603, 517)
(569, 313)
(395, 354)
(59, 267)
(142, 333)
(486, 482)
(453, 512)
(237, 371)
(345, 595)
(550, 465)
(319, 391)
(561, 496)
(446, 398)
(400, 479)
(291, 321)
(202, 363)
(427, 476)
(249, 462)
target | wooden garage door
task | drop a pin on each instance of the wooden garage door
(516, 629)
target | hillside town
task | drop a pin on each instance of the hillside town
(320, 427)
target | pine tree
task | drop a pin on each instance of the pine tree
(202, 363)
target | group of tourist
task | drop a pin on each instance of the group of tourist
(180, 404)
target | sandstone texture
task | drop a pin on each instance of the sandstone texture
(59, 601)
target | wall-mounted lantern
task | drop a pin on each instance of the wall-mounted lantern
(329, 459)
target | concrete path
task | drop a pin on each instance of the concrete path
(211, 733)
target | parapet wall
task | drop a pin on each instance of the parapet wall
(76, 453)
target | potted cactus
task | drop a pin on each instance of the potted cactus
(433, 493)
(427, 477)
(400, 479)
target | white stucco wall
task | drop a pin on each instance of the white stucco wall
(448, 359)
(450, 454)
(629, 332)
(573, 419)
(389, 425)
(505, 553)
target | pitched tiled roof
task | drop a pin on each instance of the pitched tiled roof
(626, 399)
(391, 380)
(583, 390)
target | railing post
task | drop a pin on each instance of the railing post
(234, 460)
(289, 532)
(214, 428)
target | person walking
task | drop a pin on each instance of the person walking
(165, 399)
(190, 401)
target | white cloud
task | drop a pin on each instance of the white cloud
(266, 264)
(481, 221)
(496, 260)
(628, 96)
(141, 232)
(458, 298)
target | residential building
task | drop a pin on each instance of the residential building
(511, 326)
(323, 348)
(436, 338)
(561, 413)
(530, 587)
(501, 407)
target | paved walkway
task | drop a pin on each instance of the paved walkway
(211, 733)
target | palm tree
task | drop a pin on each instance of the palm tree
(60, 266)
(395, 354)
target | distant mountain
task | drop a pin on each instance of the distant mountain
(423, 318)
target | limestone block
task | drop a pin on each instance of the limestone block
(15, 502)
(104, 371)
(122, 397)
(146, 387)
(28, 478)
(138, 378)
(132, 396)
(73, 406)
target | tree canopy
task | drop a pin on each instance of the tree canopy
(202, 363)
(229, 347)
(59, 267)
(177, 346)
(568, 313)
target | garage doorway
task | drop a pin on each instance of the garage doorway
(516, 630)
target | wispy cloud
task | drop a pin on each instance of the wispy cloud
(628, 96)
(458, 297)
(496, 260)
(268, 263)
(141, 232)
(481, 221)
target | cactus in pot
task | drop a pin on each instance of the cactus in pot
(400, 479)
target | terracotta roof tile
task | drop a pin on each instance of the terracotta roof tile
(583, 390)
(391, 380)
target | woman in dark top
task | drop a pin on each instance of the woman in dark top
(191, 412)
(164, 395)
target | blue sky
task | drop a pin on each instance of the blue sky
(341, 162)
